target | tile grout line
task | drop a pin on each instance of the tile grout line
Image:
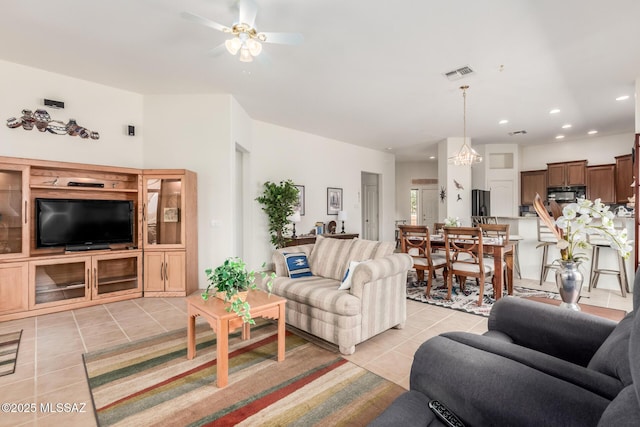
(151, 315)
(75, 320)
(117, 323)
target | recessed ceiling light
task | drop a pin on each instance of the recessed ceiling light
(554, 111)
(432, 157)
(503, 122)
(389, 148)
(559, 136)
(622, 98)
(592, 132)
(567, 126)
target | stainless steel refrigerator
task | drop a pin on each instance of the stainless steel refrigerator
(480, 203)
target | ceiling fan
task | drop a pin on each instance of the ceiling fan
(245, 39)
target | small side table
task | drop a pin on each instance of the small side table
(223, 323)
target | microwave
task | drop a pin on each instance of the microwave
(566, 194)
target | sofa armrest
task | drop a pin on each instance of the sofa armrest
(277, 258)
(569, 335)
(379, 268)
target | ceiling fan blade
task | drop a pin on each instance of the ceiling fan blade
(204, 21)
(284, 38)
(248, 11)
(218, 50)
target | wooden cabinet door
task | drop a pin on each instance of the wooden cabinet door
(576, 173)
(154, 271)
(601, 183)
(175, 273)
(532, 182)
(556, 175)
(14, 211)
(116, 274)
(624, 178)
(59, 281)
(14, 287)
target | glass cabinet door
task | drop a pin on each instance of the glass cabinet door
(116, 274)
(163, 223)
(13, 208)
(55, 282)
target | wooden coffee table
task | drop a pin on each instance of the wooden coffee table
(223, 323)
(608, 313)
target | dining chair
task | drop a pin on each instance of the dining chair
(497, 231)
(465, 258)
(476, 220)
(415, 240)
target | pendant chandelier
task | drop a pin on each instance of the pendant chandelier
(466, 156)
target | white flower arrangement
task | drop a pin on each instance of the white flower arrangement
(452, 222)
(577, 222)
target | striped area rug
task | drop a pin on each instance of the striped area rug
(151, 383)
(9, 344)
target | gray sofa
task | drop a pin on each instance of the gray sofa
(375, 302)
(538, 365)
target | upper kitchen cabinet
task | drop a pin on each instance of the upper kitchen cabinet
(601, 183)
(532, 182)
(624, 178)
(567, 173)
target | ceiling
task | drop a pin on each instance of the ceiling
(370, 72)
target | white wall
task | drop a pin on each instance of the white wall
(98, 108)
(317, 163)
(447, 173)
(194, 132)
(405, 173)
(597, 150)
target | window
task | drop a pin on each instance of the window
(413, 208)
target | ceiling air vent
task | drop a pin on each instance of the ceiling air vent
(459, 73)
(518, 132)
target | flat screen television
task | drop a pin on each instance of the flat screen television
(80, 224)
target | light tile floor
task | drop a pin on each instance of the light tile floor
(50, 368)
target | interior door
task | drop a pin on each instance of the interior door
(429, 206)
(370, 209)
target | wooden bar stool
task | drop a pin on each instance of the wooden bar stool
(546, 238)
(597, 245)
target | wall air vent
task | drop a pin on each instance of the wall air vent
(518, 132)
(458, 73)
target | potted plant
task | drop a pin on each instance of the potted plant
(277, 202)
(232, 282)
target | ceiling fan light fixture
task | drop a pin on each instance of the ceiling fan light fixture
(245, 55)
(233, 45)
(254, 46)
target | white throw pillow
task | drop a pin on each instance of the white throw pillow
(346, 282)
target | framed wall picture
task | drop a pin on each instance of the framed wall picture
(334, 200)
(171, 214)
(299, 206)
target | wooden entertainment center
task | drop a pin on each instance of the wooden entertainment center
(161, 260)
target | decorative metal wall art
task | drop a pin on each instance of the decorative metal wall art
(43, 122)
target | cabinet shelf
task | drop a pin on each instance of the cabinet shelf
(67, 188)
(116, 280)
(58, 288)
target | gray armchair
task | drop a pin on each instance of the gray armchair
(537, 365)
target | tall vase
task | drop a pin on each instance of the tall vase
(569, 280)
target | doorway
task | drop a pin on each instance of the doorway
(429, 205)
(370, 205)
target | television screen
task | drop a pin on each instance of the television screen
(68, 222)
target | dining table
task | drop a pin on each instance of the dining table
(500, 249)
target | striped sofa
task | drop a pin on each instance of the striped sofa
(375, 302)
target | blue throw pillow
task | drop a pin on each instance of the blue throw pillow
(297, 265)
